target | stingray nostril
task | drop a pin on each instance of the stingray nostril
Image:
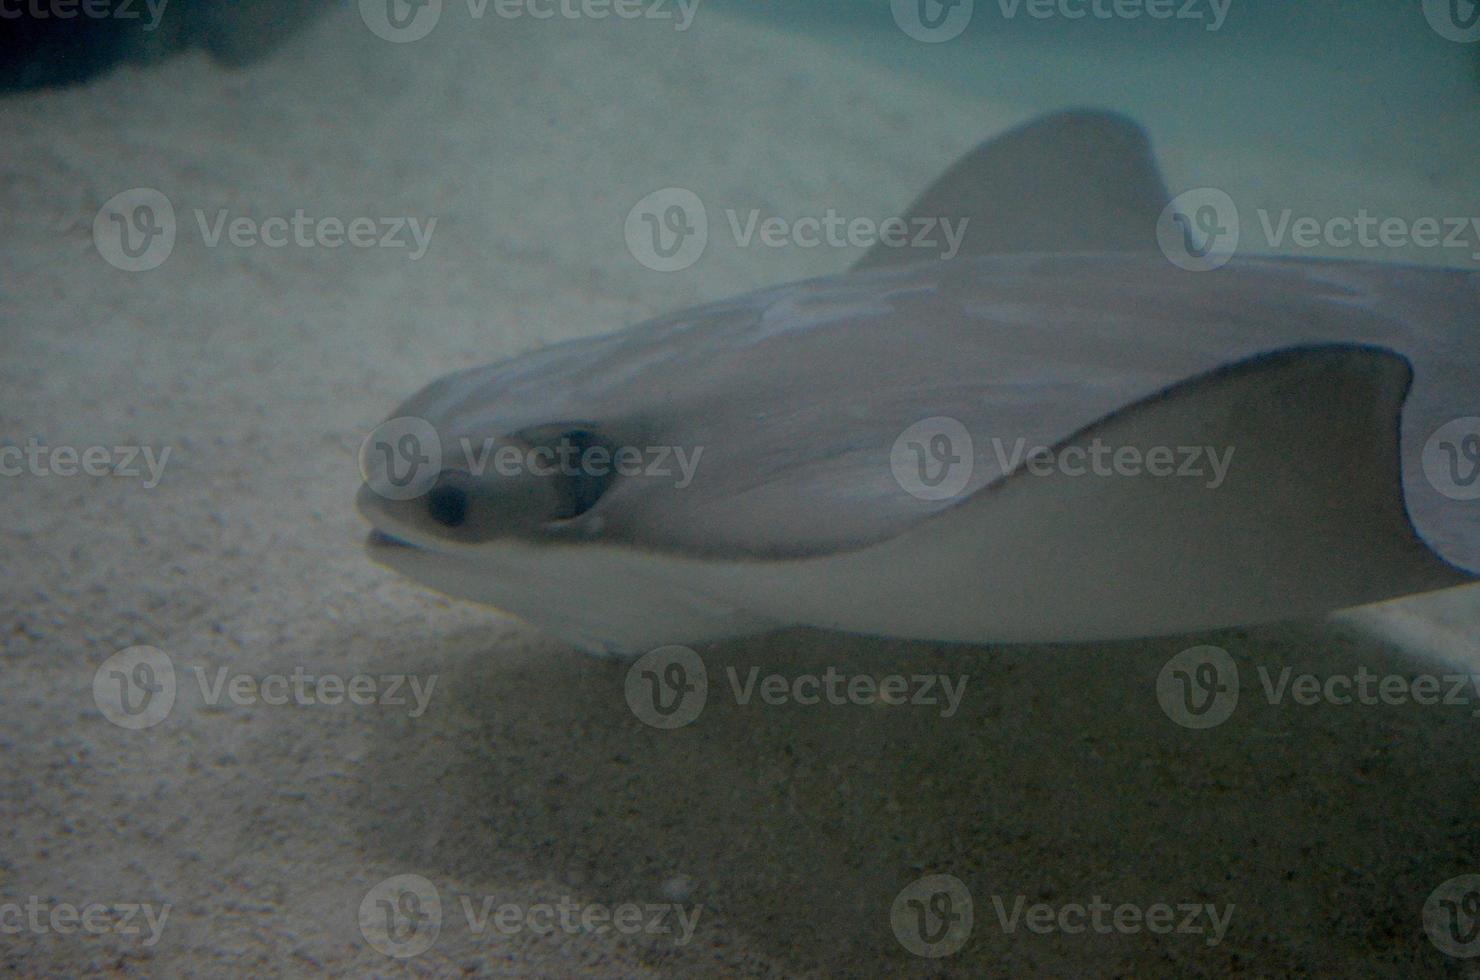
(448, 505)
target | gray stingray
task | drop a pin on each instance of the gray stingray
(908, 448)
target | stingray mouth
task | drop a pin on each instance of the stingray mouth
(378, 540)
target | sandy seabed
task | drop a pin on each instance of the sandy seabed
(1322, 830)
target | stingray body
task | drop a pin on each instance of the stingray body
(1055, 435)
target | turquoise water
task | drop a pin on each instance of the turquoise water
(254, 370)
(1323, 78)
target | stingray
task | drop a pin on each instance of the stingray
(1055, 435)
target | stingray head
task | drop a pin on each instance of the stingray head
(458, 483)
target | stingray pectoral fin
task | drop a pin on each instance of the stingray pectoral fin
(1305, 517)
(1082, 180)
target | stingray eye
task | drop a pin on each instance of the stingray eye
(450, 502)
(448, 505)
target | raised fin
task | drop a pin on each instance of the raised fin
(1083, 180)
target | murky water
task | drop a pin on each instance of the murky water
(837, 725)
